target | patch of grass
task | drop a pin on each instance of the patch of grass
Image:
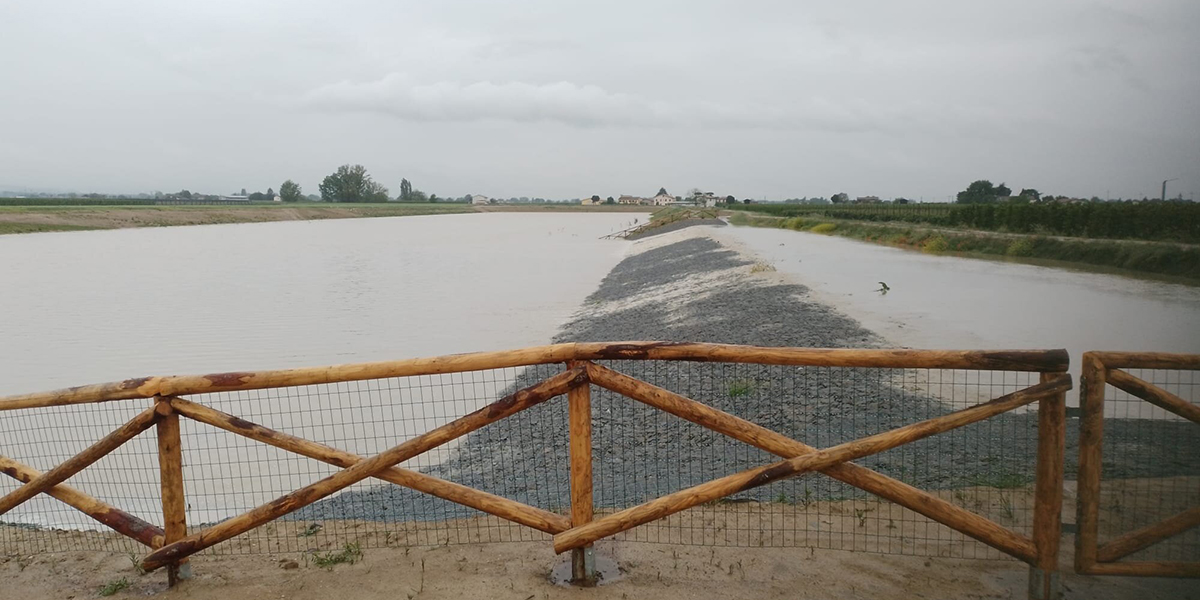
(741, 387)
(781, 498)
(1021, 247)
(114, 586)
(935, 245)
(762, 267)
(309, 531)
(349, 554)
(38, 228)
(824, 228)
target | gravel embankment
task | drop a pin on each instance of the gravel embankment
(698, 290)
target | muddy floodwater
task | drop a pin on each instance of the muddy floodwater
(960, 303)
(88, 307)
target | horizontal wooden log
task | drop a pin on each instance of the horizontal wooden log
(148, 387)
(504, 508)
(505, 407)
(1147, 536)
(1146, 569)
(101, 392)
(719, 488)
(104, 513)
(143, 421)
(863, 478)
(1154, 395)
(999, 360)
(1148, 360)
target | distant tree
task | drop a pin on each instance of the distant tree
(417, 196)
(433, 198)
(313, 198)
(290, 191)
(243, 192)
(746, 201)
(730, 200)
(900, 201)
(1002, 190)
(405, 191)
(610, 200)
(1030, 193)
(351, 183)
(596, 198)
(839, 198)
(258, 197)
(692, 193)
(977, 193)
(270, 193)
(663, 192)
(186, 195)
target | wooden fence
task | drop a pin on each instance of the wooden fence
(173, 543)
(1101, 369)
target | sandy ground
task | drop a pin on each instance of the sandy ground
(723, 557)
(520, 571)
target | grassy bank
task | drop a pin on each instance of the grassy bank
(31, 219)
(1140, 257)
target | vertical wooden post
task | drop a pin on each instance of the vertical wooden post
(579, 398)
(1048, 494)
(170, 465)
(1091, 436)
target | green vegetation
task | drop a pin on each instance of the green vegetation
(1157, 221)
(349, 554)
(38, 228)
(824, 228)
(1145, 257)
(290, 191)
(741, 387)
(351, 183)
(114, 586)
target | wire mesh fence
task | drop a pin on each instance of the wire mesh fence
(639, 453)
(1151, 465)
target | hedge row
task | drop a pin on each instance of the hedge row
(1160, 221)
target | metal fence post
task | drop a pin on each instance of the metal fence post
(583, 561)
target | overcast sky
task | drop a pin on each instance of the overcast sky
(556, 99)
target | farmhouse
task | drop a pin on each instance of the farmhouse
(477, 199)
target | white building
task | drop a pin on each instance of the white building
(477, 199)
(662, 199)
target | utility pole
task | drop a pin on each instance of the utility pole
(1164, 188)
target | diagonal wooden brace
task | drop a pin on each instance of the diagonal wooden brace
(501, 507)
(821, 459)
(115, 518)
(505, 407)
(143, 421)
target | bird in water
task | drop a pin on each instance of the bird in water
(883, 288)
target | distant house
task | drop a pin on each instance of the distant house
(662, 199)
(235, 198)
(867, 200)
(277, 198)
(589, 201)
(477, 199)
(627, 199)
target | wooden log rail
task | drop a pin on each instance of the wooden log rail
(173, 544)
(1092, 557)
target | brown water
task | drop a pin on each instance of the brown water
(87, 307)
(960, 303)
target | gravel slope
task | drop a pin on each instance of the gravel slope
(686, 287)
